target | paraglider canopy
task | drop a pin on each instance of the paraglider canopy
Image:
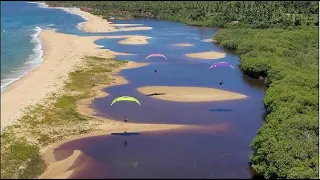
(156, 55)
(221, 64)
(125, 98)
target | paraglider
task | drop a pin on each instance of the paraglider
(218, 64)
(156, 55)
(125, 98)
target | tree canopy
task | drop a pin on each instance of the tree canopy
(254, 14)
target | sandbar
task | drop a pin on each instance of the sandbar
(207, 40)
(207, 55)
(189, 94)
(183, 44)
(135, 40)
(98, 24)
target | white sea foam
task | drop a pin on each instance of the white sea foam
(36, 57)
(34, 60)
(68, 10)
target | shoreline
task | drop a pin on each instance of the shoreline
(207, 55)
(105, 129)
(51, 74)
(93, 23)
(37, 52)
(59, 59)
(98, 25)
(14, 111)
(190, 94)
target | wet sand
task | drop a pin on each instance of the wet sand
(207, 55)
(189, 94)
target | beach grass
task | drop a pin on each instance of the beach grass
(55, 118)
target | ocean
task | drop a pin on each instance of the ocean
(21, 24)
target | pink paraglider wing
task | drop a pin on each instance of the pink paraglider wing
(221, 64)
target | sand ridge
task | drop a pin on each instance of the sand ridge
(207, 55)
(183, 44)
(189, 94)
(98, 24)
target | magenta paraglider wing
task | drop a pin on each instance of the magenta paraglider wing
(156, 55)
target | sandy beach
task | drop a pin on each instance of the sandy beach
(98, 24)
(183, 45)
(207, 55)
(189, 94)
(61, 53)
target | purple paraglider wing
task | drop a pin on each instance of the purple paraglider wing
(156, 55)
(221, 64)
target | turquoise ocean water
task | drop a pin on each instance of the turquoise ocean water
(21, 24)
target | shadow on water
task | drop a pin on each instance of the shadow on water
(162, 154)
(221, 152)
(220, 110)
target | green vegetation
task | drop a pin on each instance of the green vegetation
(54, 119)
(286, 146)
(254, 14)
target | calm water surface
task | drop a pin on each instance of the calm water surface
(173, 154)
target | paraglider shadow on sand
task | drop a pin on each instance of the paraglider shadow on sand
(156, 94)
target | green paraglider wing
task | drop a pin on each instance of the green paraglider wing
(125, 98)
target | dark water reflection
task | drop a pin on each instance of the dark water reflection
(163, 154)
(173, 154)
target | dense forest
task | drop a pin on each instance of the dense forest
(275, 39)
(254, 14)
(286, 146)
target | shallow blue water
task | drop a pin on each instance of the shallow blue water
(21, 23)
(175, 154)
(179, 70)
